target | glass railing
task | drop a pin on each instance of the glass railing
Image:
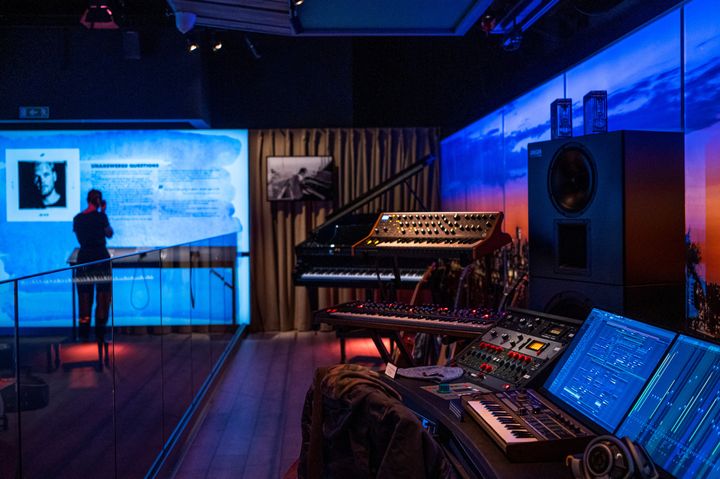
(104, 398)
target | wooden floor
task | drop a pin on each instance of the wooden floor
(251, 426)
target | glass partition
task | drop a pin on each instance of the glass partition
(9, 449)
(100, 362)
(137, 362)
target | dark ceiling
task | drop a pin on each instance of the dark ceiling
(437, 80)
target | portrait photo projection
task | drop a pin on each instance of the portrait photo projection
(162, 188)
(42, 184)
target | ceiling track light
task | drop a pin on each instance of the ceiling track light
(215, 43)
(297, 3)
(192, 46)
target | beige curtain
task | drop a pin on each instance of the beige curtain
(363, 158)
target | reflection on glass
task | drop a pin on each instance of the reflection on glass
(176, 344)
(67, 405)
(200, 279)
(102, 402)
(137, 342)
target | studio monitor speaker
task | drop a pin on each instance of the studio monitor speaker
(607, 221)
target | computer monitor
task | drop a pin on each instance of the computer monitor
(605, 367)
(676, 416)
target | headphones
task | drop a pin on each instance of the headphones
(608, 457)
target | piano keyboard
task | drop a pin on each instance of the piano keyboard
(500, 423)
(412, 318)
(526, 426)
(357, 275)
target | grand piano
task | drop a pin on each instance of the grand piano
(326, 258)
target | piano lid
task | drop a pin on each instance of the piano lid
(376, 191)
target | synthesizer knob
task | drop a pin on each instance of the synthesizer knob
(385, 229)
(377, 230)
(493, 333)
(456, 216)
(512, 343)
(402, 230)
(520, 337)
(504, 336)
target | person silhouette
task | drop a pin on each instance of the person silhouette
(92, 227)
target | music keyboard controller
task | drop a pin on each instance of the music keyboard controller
(526, 426)
(407, 317)
(517, 350)
(435, 234)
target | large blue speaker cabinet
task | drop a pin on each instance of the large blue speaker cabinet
(606, 221)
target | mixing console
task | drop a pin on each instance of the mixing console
(517, 349)
(406, 317)
(435, 234)
(527, 426)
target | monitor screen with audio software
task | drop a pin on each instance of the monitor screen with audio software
(675, 417)
(605, 367)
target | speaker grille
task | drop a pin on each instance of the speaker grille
(571, 180)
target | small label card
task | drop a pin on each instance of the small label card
(390, 370)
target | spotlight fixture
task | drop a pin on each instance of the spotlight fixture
(192, 46)
(512, 41)
(99, 16)
(297, 3)
(216, 44)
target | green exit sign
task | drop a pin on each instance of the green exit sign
(34, 112)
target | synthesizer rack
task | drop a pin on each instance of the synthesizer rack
(526, 426)
(517, 350)
(434, 235)
(412, 318)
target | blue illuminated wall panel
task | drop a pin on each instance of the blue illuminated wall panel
(473, 167)
(702, 162)
(643, 74)
(163, 187)
(526, 120)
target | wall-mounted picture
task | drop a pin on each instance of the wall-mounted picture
(42, 184)
(295, 178)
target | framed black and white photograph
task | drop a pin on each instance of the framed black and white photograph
(296, 178)
(42, 184)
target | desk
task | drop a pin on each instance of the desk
(467, 441)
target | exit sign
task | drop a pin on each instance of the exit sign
(34, 112)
